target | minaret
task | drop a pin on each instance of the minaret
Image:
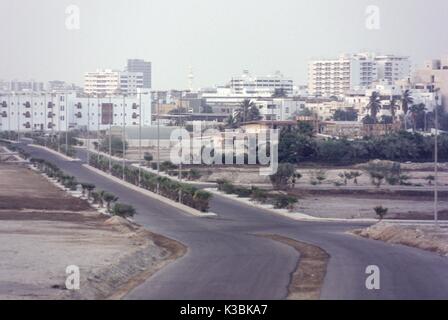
(190, 78)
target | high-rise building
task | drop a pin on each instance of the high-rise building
(109, 82)
(246, 83)
(139, 65)
(434, 75)
(335, 77)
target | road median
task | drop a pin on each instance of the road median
(153, 195)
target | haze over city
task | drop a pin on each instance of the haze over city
(217, 39)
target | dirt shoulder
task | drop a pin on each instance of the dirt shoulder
(43, 230)
(423, 237)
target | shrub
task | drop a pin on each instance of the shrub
(123, 210)
(282, 178)
(380, 211)
(259, 195)
(284, 201)
(242, 192)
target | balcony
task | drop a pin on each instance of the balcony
(27, 125)
(4, 114)
(27, 114)
(78, 115)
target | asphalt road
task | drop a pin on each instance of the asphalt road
(227, 260)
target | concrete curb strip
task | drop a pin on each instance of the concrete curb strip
(305, 217)
(148, 193)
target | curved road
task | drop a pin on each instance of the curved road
(227, 260)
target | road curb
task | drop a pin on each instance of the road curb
(304, 217)
(153, 195)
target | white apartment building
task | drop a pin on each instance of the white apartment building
(109, 82)
(392, 68)
(64, 111)
(248, 84)
(280, 108)
(335, 77)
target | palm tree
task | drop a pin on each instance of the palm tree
(247, 111)
(406, 101)
(374, 105)
(230, 122)
(393, 108)
(416, 110)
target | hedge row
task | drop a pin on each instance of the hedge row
(191, 196)
(99, 197)
(278, 200)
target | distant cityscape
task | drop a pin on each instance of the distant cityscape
(337, 94)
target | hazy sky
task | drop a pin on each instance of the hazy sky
(217, 38)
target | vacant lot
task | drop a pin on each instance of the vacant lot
(43, 230)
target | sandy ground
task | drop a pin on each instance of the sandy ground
(425, 237)
(43, 230)
(362, 207)
(354, 200)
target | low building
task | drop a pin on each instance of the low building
(64, 111)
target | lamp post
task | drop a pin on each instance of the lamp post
(124, 136)
(110, 133)
(18, 118)
(436, 156)
(98, 128)
(140, 139)
(88, 128)
(181, 151)
(158, 141)
(66, 123)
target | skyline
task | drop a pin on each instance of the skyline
(266, 37)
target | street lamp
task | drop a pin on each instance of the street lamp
(110, 133)
(88, 128)
(158, 142)
(124, 135)
(436, 213)
(66, 123)
(140, 140)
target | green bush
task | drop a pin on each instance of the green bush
(284, 201)
(123, 210)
